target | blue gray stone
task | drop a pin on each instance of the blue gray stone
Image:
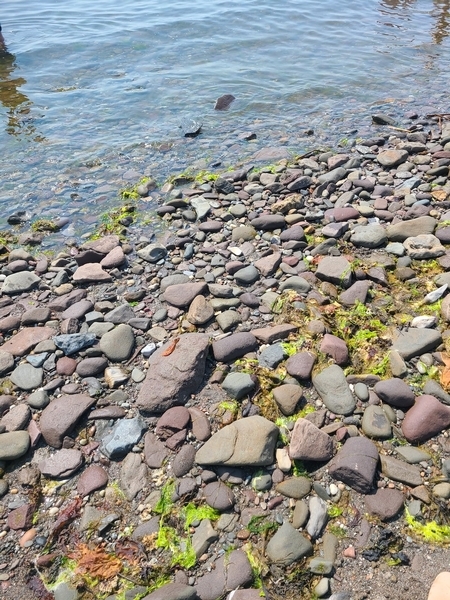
(122, 437)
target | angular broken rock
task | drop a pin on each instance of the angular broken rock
(173, 377)
(223, 102)
(355, 464)
(61, 415)
(308, 442)
(247, 442)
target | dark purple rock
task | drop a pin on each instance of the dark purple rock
(355, 464)
(184, 460)
(384, 503)
(300, 365)
(218, 496)
(395, 392)
(268, 222)
(234, 346)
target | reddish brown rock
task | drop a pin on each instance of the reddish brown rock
(336, 348)
(20, 518)
(66, 366)
(93, 478)
(175, 371)
(425, 419)
(61, 415)
(355, 464)
(91, 273)
(173, 420)
(268, 335)
(182, 294)
(385, 503)
(113, 259)
(25, 340)
(300, 365)
(308, 442)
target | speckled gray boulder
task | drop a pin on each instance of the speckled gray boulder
(118, 344)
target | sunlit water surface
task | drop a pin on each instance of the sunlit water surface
(92, 94)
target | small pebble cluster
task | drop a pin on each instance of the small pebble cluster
(278, 359)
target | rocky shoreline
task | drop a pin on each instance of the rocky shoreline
(254, 404)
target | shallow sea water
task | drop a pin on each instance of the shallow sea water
(92, 94)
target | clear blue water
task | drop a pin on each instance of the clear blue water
(92, 93)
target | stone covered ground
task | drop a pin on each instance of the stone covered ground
(254, 404)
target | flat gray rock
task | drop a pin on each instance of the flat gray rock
(173, 591)
(17, 283)
(27, 377)
(295, 283)
(288, 545)
(369, 236)
(398, 470)
(294, 487)
(152, 253)
(173, 377)
(399, 232)
(415, 342)
(181, 295)
(232, 571)
(335, 269)
(133, 475)
(123, 436)
(14, 444)
(238, 385)
(246, 442)
(423, 247)
(62, 463)
(234, 346)
(396, 392)
(332, 387)
(247, 275)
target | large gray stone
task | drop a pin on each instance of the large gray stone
(332, 387)
(369, 236)
(247, 442)
(14, 444)
(415, 342)
(172, 378)
(27, 377)
(117, 345)
(20, 282)
(287, 546)
(399, 232)
(399, 470)
(234, 346)
(335, 269)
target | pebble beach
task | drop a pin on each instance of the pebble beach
(253, 403)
